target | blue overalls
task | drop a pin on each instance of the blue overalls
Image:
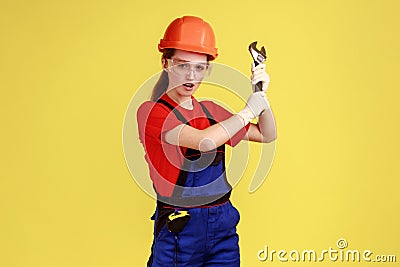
(209, 238)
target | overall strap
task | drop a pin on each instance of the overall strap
(181, 181)
(208, 114)
(179, 115)
(174, 110)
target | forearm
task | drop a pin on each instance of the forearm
(206, 139)
(266, 125)
(211, 137)
(217, 134)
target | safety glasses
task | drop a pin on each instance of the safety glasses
(183, 67)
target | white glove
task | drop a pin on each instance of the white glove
(260, 75)
(255, 105)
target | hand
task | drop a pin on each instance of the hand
(256, 104)
(260, 75)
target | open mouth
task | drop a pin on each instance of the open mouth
(188, 86)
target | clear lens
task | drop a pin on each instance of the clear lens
(183, 67)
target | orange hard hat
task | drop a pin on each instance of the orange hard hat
(190, 33)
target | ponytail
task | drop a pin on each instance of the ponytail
(162, 84)
(160, 87)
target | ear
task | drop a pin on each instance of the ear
(164, 63)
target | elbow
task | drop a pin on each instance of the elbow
(268, 139)
(207, 144)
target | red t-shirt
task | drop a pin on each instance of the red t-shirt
(165, 160)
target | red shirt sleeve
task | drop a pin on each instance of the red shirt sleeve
(154, 119)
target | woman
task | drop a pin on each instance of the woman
(195, 222)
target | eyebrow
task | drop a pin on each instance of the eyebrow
(190, 61)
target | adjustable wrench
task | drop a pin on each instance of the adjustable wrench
(259, 57)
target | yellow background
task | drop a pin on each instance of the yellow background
(68, 70)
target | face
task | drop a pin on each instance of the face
(185, 71)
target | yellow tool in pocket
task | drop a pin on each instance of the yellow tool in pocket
(177, 220)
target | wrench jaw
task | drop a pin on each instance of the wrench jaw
(263, 52)
(259, 57)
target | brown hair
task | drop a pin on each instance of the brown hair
(162, 83)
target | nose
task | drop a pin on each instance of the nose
(191, 73)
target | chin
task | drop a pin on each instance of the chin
(186, 93)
